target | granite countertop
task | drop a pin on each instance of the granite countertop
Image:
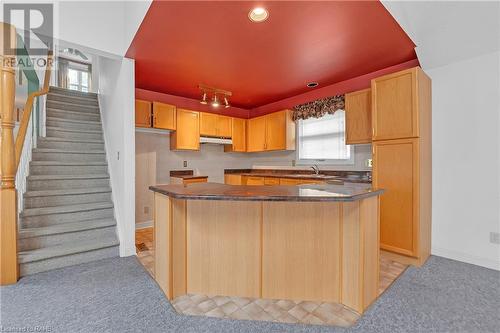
(185, 174)
(312, 192)
(363, 177)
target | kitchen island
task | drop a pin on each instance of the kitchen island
(308, 242)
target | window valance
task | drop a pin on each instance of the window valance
(319, 108)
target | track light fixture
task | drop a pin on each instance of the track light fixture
(217, 94)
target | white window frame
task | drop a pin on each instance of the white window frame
(308, 162)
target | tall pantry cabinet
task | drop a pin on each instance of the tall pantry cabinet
(401, 120)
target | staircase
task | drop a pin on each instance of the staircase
(68, 210)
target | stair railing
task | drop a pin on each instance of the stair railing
(11, 151)
(29, 130)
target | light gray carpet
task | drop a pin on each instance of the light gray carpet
(117, 295)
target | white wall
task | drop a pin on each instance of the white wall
(116, 98)
(466, 194)
(154, 160)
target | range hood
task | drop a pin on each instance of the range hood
(217, 141)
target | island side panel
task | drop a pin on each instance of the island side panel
(162, 235)
(360, 261)
(224, 247)
(170, 245)
(301, 257)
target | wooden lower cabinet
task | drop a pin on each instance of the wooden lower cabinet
(142, 113)
(233, 179)
(187, 135)
(249, 180)
(271, 181)
(396, 170)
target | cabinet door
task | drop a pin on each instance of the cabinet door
(358, 117)
(394, 106)
(250, 180)
(164, 116)
(187, 135)
(395, 169)
(239, 134)
(142, 113)
(290, 181)
(276, 131)
(208, 124)
(271, 181)
(224, 126)
(256, 136)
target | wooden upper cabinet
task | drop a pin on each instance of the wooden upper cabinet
(396, 165)
(142, 113)
(215, 125)
(358, 117)
(256, 134)
(208, 124)
(238, 135)
(394, 100)
(274, 131)
(224, 126)
(187, 135)
(164, 116)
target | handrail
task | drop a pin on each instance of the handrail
(23, 126)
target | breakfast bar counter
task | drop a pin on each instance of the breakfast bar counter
(307, 242)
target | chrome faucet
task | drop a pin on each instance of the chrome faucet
(316, 169)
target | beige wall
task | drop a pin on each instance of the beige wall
(154, 160)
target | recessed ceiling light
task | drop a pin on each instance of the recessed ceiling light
(258, 14)
(312, 84)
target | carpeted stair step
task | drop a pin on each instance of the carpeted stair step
(45, 216)
(70, 144)
(33, 238)
(73, 123)
(75, 115)
(69, 92)
(62, 255)
(67, 168)
(93, 109)
(64, 133)
(71, 196)
(43, 154)
(77, 100)
(55, 182)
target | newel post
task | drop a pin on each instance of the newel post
(9, 270)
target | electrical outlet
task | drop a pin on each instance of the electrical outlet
(369, 163)
(146, 210)
(294, 162)
(185, 164)
(495, 237)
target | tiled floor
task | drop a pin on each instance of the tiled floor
(260, 309)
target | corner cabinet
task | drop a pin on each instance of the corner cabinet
(274, 131)
(187, 134)
(238, 136)
(402, 166)
(358, 117)
(142, 113)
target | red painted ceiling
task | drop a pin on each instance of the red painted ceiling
(183, 43)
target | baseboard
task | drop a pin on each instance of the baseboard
(467, 258)
(145, 224)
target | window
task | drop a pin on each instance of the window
(322, 140)
(78, 80)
